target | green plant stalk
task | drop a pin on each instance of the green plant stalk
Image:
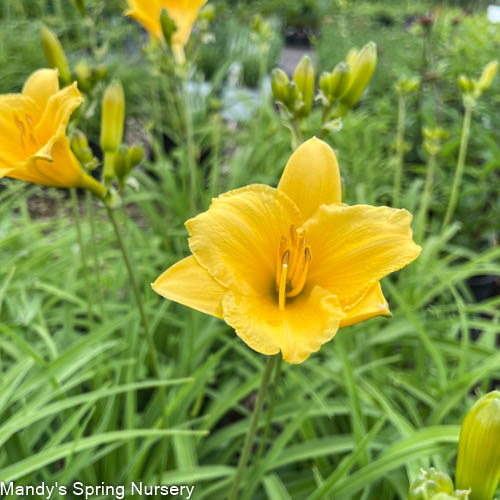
(426, 200)
(297, 137)
(95, 254)
(464, 141)
(83, 253)
(149, 338)
(190, 151)
(400, 137)
(249, 439)
(270, 410)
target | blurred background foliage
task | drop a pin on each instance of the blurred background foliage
(361, 417)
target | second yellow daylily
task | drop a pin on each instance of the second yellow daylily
(182, 12)
(288, 267)
(33, 142)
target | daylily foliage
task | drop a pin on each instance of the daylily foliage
(287, 267)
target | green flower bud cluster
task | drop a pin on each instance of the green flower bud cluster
(296, 96)
(433, 138)
(80, 146)
(339, 90)
(407, 85)
(126, 159)
(434, 485)
(473, 88)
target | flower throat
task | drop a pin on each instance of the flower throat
(292, 265)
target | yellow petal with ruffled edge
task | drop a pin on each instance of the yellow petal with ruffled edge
(57, 113)
(238, 237)
(189, 284)
(307, 322)
(42, 85)
(353, 247)
(373, 304)
(311, 177)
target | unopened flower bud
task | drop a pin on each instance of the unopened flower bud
(324, 83)
(362, 71)
(54, 53)
(430, 483)
(135, 156)
(168, 26)
(340, 78)
(489, 73)
(465, 84)
(351, 57)
(80, 147)
(120, 159)
(279, 85)
(478, 461)
(113, 117)
(83, 75)
(207, 13)
(304, 79)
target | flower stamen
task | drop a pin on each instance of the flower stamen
(283, 280)
(292, 265)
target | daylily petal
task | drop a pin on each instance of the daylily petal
(184, 14)
(58, 112)
(353, 247)
(17, 139)
(190, 284)
(41, 85)
(311, 177)
(238, 237)
(308, 321)
(373, 304)
(151, 24)
(55, 166)
(4, 172)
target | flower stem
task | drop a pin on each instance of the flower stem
(460, 165)
(426, 201)
(249, 439)
(95, 254)
(152, 351)
(83, 253)
(400, 151)
(297, 137)
(190, 152)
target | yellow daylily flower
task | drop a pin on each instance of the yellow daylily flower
(288, 267)
(182, 12)
(33, 142)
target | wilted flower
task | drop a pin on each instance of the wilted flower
(287, 267)
(33, 142)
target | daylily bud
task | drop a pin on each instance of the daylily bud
(279, 85)
(430, 483)
(113, 117)
(304, 79)
(407, 85)
(341, 76)
(80, 147)
(54, 53)
(83, 75)
(465, 84)
(478, 461)
(489, 73)
(135, 156)
(362, 71)
(324, 83)
(168, 26)
(351, 57)
(120, 164)
(80, 5)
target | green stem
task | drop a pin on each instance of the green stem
(426, 200)
(400, 151)
(249, 439)
(297, 137)
(83, 253)
(95, 254)
(270, 411)
(190, 152)
(460, 165)
(149, 338)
